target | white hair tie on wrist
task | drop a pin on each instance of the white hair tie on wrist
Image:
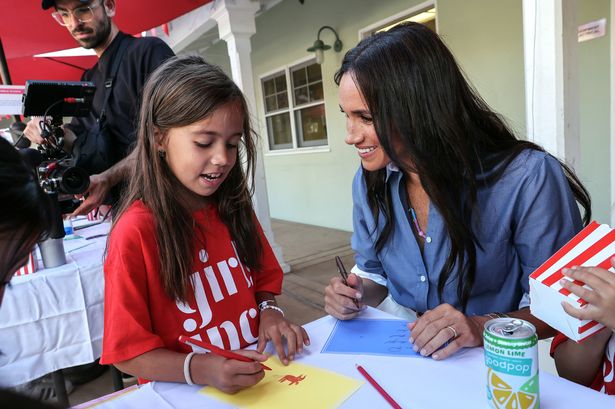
(187, 376)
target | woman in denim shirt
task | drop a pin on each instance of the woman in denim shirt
(451, 211)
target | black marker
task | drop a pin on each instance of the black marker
(344, 274)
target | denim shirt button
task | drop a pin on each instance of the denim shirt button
(422, 279)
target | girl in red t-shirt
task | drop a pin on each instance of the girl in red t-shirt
(591, 362)
(186, 255)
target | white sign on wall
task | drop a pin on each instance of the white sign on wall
(592, 30)
(10, 99)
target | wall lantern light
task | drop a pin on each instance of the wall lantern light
(319, 47)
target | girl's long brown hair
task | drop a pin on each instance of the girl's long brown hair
(180, 92)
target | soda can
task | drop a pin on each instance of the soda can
(511, 357)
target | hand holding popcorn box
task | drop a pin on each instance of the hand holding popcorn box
(592, 247)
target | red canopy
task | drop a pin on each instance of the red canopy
(27, 30)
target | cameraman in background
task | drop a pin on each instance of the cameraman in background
(102, 141)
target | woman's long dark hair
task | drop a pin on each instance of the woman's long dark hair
(24, 208)
(180, 92)
(419, 98)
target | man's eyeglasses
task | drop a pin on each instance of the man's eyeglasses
(82, 14)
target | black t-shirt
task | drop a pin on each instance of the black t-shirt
(142, 56)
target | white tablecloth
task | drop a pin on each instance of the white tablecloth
(53, 319)
(417, 383)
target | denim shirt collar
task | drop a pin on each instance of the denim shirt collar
(391, 170)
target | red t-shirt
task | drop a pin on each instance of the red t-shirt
(605, 378)
(220, 309)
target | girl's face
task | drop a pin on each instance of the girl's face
(359, 126)
(202, 154)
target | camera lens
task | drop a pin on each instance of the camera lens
(74, 181)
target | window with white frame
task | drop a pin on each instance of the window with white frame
(295, 107)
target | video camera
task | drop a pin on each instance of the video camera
(54, 165)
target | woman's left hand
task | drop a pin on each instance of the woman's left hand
(274, 327)
(445, 324)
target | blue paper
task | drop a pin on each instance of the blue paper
(370, 337)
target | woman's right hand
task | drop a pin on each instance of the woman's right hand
(344, 301)
(228, 375)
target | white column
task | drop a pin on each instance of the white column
(551, 77)
(236, 24)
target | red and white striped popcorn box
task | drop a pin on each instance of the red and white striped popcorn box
(594, 246)
(30, 267)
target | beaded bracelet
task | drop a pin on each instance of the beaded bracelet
(272, 307)
(262, 308)
(262, 304)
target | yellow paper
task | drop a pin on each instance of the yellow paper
(294, 386)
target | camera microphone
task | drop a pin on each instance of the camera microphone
(16, 129)
(23, 143)
(71, 100)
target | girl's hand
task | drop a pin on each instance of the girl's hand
(445, 324)
(600, 298)
(228, 375)
(344, 301)
(273, 327)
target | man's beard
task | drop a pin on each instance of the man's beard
(101, 33)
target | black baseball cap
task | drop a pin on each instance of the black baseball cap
(51, 3)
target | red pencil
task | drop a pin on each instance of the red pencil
(375, 384)
(218, 351)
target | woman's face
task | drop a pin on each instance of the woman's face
(360, 130)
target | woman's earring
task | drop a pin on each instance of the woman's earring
(162, 154)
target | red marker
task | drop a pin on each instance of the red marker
(218, 351)
(379, 388)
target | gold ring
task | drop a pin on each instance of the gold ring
(453, 330)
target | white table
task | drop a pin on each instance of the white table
(416, 383)
(53, 319)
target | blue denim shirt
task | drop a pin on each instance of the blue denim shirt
(524, 218)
